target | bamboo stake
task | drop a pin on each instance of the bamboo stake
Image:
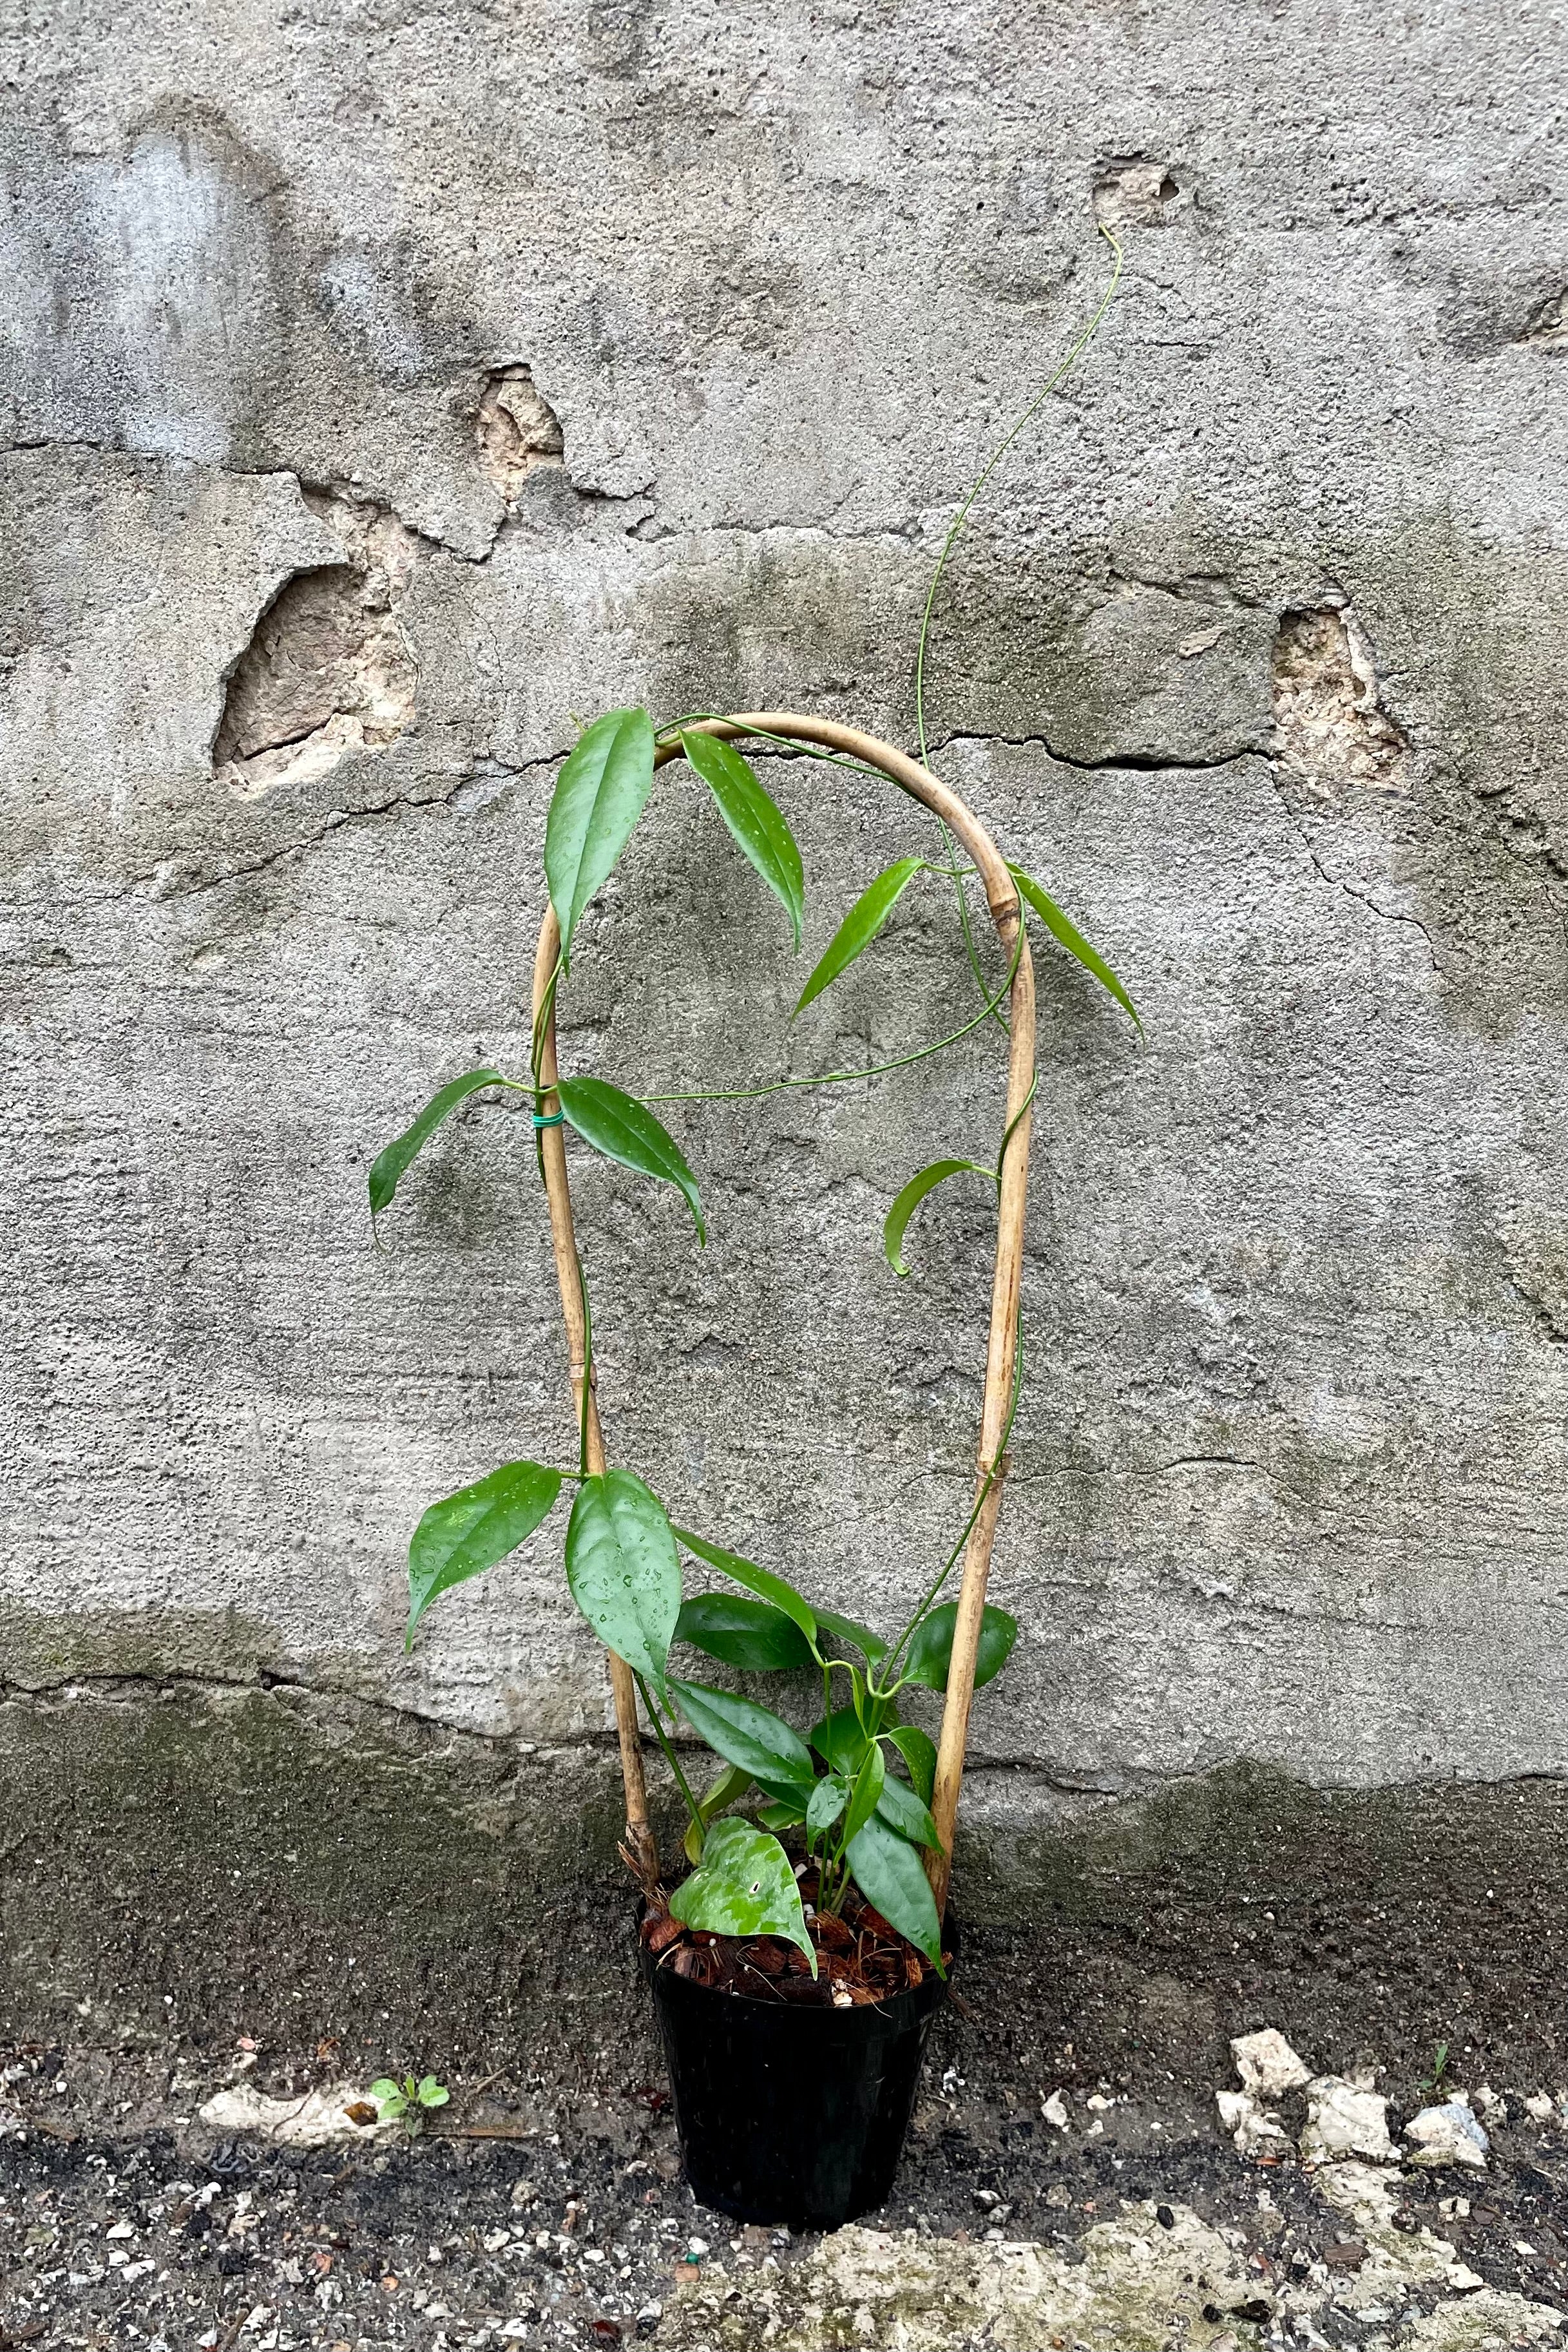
(1002, 898)
(641, 1844)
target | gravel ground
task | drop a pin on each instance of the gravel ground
(532, 2217)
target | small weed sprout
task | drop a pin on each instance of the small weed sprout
(408, 2100)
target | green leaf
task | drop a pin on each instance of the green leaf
(384, 2091)
(742, 1733)
(860, 926)
(620, 1127)
(779, 1816)
(432, 2094)
(753, 818)
(828, 1800)
(918, 1751)
(890, 1874)
(931, 1652)
(730, 1785)
(747, 1634)
(1061, 928)
(760, 1581)
(866, 1793)
(839, 1740)
(903, 1810)
(389, 1167)
(871, 1645)
(473, 1529)
(622, 1568)
(743, 1886)
(911, 1196)
(598, 798)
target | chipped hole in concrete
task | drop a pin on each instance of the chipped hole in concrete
(328, 670)
(517, 431)
(1130, 190)
(1329, 726)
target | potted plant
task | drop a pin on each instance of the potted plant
(798, 1955)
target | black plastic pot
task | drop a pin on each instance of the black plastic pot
(788, 2113)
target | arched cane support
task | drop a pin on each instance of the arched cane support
(1006, 914)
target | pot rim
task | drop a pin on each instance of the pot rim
(866, 2020)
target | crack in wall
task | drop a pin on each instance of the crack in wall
(1153, 763)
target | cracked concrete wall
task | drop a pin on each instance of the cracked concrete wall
(380, 398)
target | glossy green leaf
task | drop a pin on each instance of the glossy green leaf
(753, 818)
(743, 1886)
(760, 1581)
(890, 1874)
(871, 1645)
(624, 1571)
(903, 1810)
(910, 1199)
(731, 1783)
(931, 1652)
(623, 1129)
(777, 1815)
(598, 798)
(866, 1791)
(742, 1733)
(473, 1529)
(389, 1167)
(860, 926)
(752, 1635)
(839, 1740)
(1063, 929)
(828, 1800)
(918, 1749)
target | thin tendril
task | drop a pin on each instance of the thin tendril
(842, 1078)
(984, 476)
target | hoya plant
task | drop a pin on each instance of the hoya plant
(854, 1787)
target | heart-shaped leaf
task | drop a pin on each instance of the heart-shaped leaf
(389, 1167)
(910, 1199)
(890, 1874)
(473, 1529)
(743, 1886)
(598, 798)
(903, 1810)
(860, 926)
(753, 818)
(931, 1652)
(777, 1815)
(742, 1733)
(747, 1634)
(1063, 929)
(623, 1129)
(760, 1581)
(828, 1800)
(624, 1571)
(918, 1749)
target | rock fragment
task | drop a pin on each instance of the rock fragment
(1346, 2118)
(1268, 2065)
(314, 2121)
(1254, 2131)
(1449, 2134)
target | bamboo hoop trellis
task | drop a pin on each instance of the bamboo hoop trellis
(1002, 898)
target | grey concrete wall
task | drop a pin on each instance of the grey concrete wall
(382, 392)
